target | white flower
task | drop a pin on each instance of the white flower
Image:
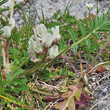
(7, 31)
(56, 35)
(90, 6)
(53, 51)
(41, 30)
(31, 47)
(38, 48)
(47, 39)
(12, 22)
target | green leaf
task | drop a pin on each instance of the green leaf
(73, 35)
(108, 48)
(75, 48)
(62, 44)
(71, 74)
(16, 74)
(103, 19)
(83, 29)
(4, 9)
(105, 25)
(97, 35)
(92, 26)
(103, 29)
(78, 94)
(9, 76)
(96, 21)
(56, 14)
(88, 42)
(3, 1)
(1, 32)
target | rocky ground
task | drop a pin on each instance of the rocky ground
(99, 84)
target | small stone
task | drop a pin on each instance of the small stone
(94, 79)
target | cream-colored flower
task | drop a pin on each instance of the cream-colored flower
(31, 47)
(39, 47)
(7, 31)
(56, 35)
(53, 51)
(41, 30)
(47, 39)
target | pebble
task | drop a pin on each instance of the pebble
(76, 8)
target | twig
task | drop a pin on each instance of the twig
(99, 102)
(80, 64)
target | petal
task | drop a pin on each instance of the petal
(56, 35)
(53, 51)
(47, 39)
(7, 31)
(31, 47)
(39, 48)
(41, 30)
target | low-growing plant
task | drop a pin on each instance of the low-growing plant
(29, 53)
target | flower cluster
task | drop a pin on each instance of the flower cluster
(43, 42)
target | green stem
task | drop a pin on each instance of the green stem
(40, 92)
(12, 8)
(21, 64)
(30, 71)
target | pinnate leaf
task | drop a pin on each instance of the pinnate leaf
(73, 35)
(69, 98)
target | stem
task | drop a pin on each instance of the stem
(30, 71)
(3, 51)
(7, 51)
(12, 8)
(40, 92)
(80, 64)
(98, 54)
(21, 64)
